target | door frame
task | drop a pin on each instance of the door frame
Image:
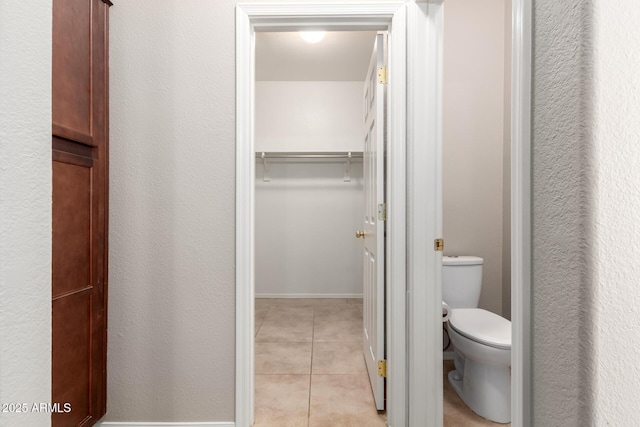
(521, 204)
(250, 18)
(424, 213)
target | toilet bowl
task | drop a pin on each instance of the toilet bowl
(482, 378)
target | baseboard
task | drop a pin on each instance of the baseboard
(162, 424)
(308, 295)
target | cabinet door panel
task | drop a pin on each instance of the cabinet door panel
(72, 209)
(78, 294)
(71, 368)
(71, 74)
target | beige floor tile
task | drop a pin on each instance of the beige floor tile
(343, 401)
(280, 331)
(307, 302)
(260, 315)
(281, 400)
(339, 312)
(321, 302)
(291, 423)
(357, 301)
(258, 325)
(338, 358)
(282, 358)
(262, 311)
(339, 330)
(263, 302)
(293, 302)
(286, 315)
(456, 412)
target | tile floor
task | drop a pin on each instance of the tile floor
(309, 367)
(310, 371)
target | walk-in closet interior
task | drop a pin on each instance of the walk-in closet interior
(309, 198)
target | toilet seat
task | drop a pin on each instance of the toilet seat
(482, 326)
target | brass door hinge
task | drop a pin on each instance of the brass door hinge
(438, 245)
(382, 368)
(382, 75)
(382, 211)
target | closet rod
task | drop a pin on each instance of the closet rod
(309, 154)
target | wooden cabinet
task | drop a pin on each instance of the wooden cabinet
(80, 146)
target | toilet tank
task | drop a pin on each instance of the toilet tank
(461, 281)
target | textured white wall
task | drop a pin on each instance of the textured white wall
(615, 225)
(309, 116)
(586, 176)
(25, 209)
(473, 133)
(171, 255)
(306, 216)
(562, 215)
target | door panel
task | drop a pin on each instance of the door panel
(78, 297)
(71, 74)
(71, 369)
(71, 228)
(374, 226)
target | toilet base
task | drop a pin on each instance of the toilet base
(485, 389)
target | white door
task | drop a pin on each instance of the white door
(373, 248)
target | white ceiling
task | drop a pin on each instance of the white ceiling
(340, 56)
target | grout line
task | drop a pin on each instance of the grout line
(261, 323)
(313, 330)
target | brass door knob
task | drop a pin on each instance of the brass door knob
(359, 234)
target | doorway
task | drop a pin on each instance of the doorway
(250, 19)
(317, 182)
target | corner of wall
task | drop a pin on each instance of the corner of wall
(563, 189)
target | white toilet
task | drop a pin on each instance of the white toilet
(481, 340)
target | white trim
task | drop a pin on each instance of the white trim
(308, 296)
(396, 295)
(268, 14)
(424, 212)
(521, 214)
(245, 171)
(161, 424)
(272, 17)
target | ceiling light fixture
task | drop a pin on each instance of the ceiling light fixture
(312, 36)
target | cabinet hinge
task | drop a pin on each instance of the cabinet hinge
(382, 368)
(382, 211)
(438, 245)
(382, 75)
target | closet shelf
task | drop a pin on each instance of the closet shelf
(311, 155)
(304, 156)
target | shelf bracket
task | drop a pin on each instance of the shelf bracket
(266, 177)
(347, 169)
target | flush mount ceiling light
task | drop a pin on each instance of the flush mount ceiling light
(312, 36)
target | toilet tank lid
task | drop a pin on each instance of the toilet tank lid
(461, 260)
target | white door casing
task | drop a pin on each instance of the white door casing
(374, 224)
(389, 16)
